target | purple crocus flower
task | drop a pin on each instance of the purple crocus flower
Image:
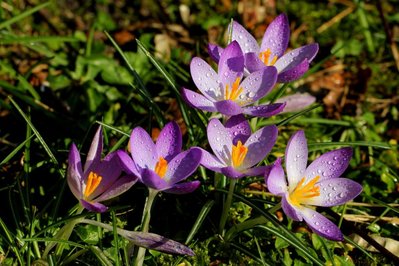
(161, 166)
(290, 66)
(227, 92)
(319, 184)
(100, 179)
(237, 151)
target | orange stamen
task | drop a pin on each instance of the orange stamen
(238, 154)
(161, 167)
(93, 181)
(234, 92)
(265, 56)
(302, 192)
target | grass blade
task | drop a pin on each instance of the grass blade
(200, 219)
(23, 15)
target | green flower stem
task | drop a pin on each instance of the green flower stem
(145, 224)
(226, 206)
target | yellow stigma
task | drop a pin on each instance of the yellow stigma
(302, 192)
(238, 154)
(93, 181)
(161, 167)
(265, 56)
(234, 92)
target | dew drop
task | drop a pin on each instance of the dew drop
(334, 188)
(250, 94)
(341, 195)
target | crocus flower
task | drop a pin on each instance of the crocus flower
(100, 179)
(319, 184)
(290, 66)
(161, 166)
(237, 151)
(227, 92)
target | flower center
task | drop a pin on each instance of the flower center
(265, 57)
(302, 192)
(161, 167)
(238, 154)
(93, 181)
(234, 92)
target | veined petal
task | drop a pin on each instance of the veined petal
(74, 172)
(293, 73)
(231, 64)
(296, 158)
(205, 78)
(297, 56)
(153, 180)
(228, 107)
(232, 172)
(219, 140)
(246, 41)
(142, 149)
(292, 212)
(335, 191)
(259, 144)
(321, 225)
(127, 163)
(169, 142)
(96, 148)
(93, 206)
(275, 179)
(264, 110)
(211, 162)
(253, 63)
(276, 36)
(198, 101)
(238, 128)
(215, 51)
(296, 102)
(183, 165)
(184, 188)
(331, 164)
(257, 85)
(120, 186)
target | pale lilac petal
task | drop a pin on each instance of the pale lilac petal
(275, 179)
(93, 206)
(296, 158)
(120, 186)
(321, 225)
(96, 148)
(259, 144)
(183, 165)
(127, 163)
(331, 164)
(231, 64)
(276, 36)
(257, 85)
(297, 56)
(197, 100)
(293, 73)
(142, 149)
(257, 170)
(246, 41)
(219, 140)
(228, 107)
(183, 188)
(296, 102)
(253, 63)
(264, 110)
(74, 172)
(211, 162)
(153, 180)
(335, 191)
(215, 51)
(289, 209)
(232, 172)
(238, 128)
(205, 78)
(169, 142)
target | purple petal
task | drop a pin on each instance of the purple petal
(246, 41)
(219, 140)
(264, 110)
(335, 191)
(258, 170)
(183, 188)
(93, 206)
(297, 56)
(289, 209)
(259, 145)
(153, 180)
(228, 107)
(169, 142)
(198, 101)
(183, 165)
(74, 173)
(296, 102)
(96, 148)
(215, 51)
(329, 165)
(231, 64)
(238, 128)
(293, 73)
(211, 162)
(275, 179)
(142, 149)
(296, 158)
(257, 85)
(321, 225)
(205, 78)
(118, 187)
(127, 163)
(276, 36)
(232, 172)
(253, 63)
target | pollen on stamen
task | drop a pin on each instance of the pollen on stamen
(265, 57)
(234, 92)
(238, 154)
(93, 181)
(302, 193)
(161, 167)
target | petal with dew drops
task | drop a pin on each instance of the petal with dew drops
(321, 225)
(293, 73)
(290, 210)
(275, 179)
(296, 158)
(264, 110)
(127, 163)
(183, 188)
(228, 107)
(238, 128)
(296, 102)
(169, 142)
(246, 41)
(253, 63)
(231, 64)
(183, 165)
(297, 56)
(219, 140)
(215, 51)
(153, 180)
(197, 100)
(276, 36)
(205, 78)
(142, 149)
(211, 162)
(96, 148)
